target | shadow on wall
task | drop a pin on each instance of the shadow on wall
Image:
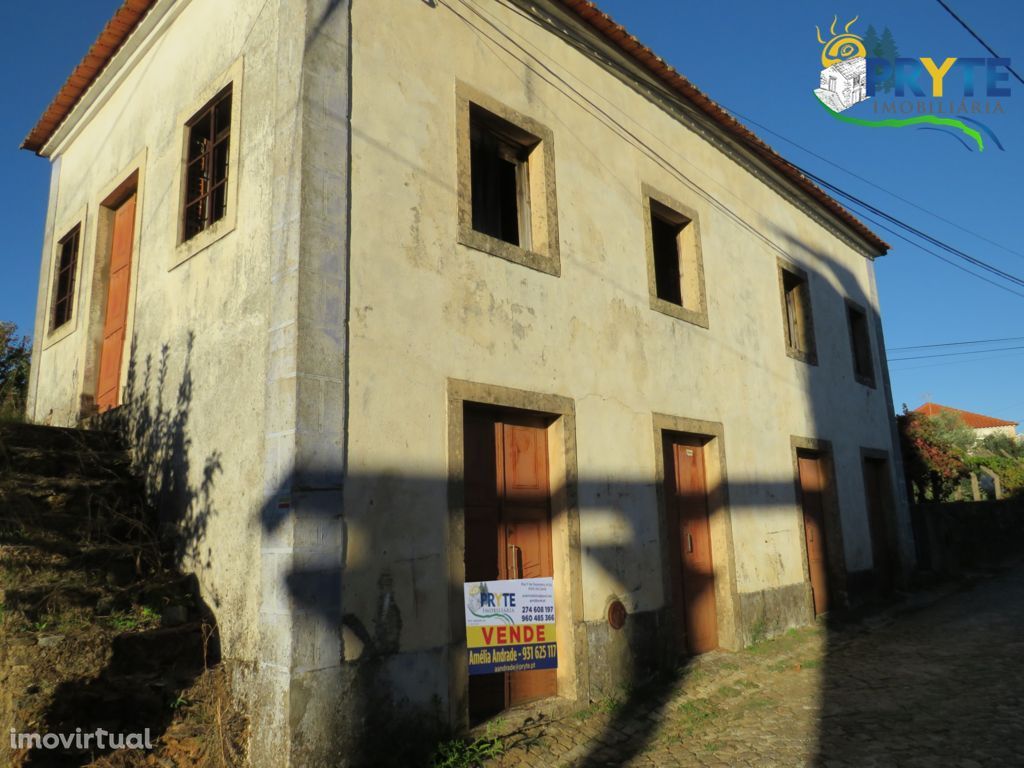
(380, 728)
(157, 429)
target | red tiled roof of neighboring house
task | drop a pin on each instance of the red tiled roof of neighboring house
(972, 420)
(131, 12)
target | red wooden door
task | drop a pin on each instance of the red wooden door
(693, 567)
(508, 530)
(108, 389)
(812, 489)
(877, 489)
(526, 529)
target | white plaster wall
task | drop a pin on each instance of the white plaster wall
(984, 432)
(425, 308)
(220, 295)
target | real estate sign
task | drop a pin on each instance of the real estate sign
(510, 625)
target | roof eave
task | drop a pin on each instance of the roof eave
(109, 42)
(629, 45)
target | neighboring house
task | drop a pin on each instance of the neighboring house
(394, 295)
(843, 84)
(982, 426)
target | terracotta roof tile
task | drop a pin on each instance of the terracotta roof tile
(972, 420)
(131, 12)
(93, 63)
(617, 34)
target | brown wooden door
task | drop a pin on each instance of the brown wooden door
(693, 578)
(876, 484)
(812, 498)
(508, 530)
(108, 389)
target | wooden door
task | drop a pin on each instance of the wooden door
(693, 578)
(876, 484)
(108, 389)
(508, 530)
(812, 499)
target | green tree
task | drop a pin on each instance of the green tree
(1001, 445)
(887, 50)
(872, 41)
(15, 358)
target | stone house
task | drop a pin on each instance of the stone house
(391, 295)
(981, 425)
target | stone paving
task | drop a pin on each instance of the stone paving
(936, 681)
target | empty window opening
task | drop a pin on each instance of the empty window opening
(797, 306)
(500, 178)
(666, 231)
(206, 164)
(64, 288)
(860, 340)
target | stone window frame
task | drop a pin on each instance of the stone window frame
(809, 355)
(52, 334)
(573, 675)
(185, 249)
(543, 255)
(695, 308)
(853, 306)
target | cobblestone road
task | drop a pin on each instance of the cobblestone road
(936, 683)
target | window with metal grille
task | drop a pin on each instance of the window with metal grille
(206, 165)
(64, 282)
(860, 341)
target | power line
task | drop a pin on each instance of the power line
(953, 354)
(995, 271)
(914, 230)
(945, 363)
(975, 35)
(939, 256)
(955, 343)
(879, 187)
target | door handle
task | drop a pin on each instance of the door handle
(689, 543)
(515, 560)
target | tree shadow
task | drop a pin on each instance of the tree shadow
(162, 633)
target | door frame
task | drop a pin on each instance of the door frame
(129, 181)
(572, 676)
(723, 556)
(888, 510)
(834, 547)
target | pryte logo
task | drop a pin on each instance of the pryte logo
(927, 93)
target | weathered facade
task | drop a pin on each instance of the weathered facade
(437, 216)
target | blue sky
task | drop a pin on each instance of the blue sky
(760, 60)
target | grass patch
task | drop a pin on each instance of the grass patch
(459, 753)
(755, 703)
(140, 617)
(811, 664)
(694, 714)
